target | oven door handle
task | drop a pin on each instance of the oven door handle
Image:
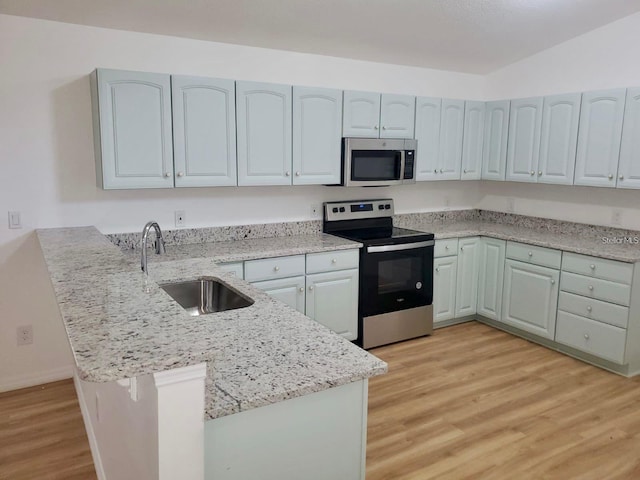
(402, 246)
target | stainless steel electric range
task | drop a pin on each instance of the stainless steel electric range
(396, 271)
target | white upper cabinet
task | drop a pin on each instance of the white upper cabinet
(451, 131)
(361, 115)
(599, 137)
(560, 117)
(263, 133)
(494, 146)
(629, 168)
(132, 129)
(473, 137)
(397, 116)
(523, 145)
(204, 131)
(317, 135)
(427, 133)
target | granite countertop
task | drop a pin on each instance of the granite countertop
(582, 238)
(122, 325)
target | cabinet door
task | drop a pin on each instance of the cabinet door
(472, 140)
(629, 169)
(332, 300)
(559, 136)
(397, 116)
(451, 131)
(467, 281)
(494, 146)
(491, 277)
(264, 133)
(445, 270)
(204, 131)
(287, 290)
(530, 298)
(361, 114)
(428, 136)
(317, 135)
(599, 136)
(523, 146)
(132, 124)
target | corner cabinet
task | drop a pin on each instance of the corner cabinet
(263, 133)
(494, 145)
(472, 140)
(599, 138)
(467, 284)
(132, 129)
(629, 168)
(427, 133)
(317, 135)
(204, 131)
(523, 145)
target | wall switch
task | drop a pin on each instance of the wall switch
(180, 218)
(616, 217)
(316, 211)
(24, 335)
(14, 220)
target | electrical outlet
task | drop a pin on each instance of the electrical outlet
(616, 217)
(447, 203)
(180, 218)
(316, 211)
(24, 335)
(511, 205)
(14, 220)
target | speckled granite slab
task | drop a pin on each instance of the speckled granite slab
(605, 242)
(122, 325)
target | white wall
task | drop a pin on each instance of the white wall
(48, 171)
(604, 58)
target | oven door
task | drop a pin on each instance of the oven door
(396, 277)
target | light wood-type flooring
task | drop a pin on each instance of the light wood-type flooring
(472, 402)
(468, 402)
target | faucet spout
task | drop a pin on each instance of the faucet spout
(159, 244)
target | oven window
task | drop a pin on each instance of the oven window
(375, 165)
(399, 275)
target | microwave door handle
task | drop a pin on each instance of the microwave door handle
(402, 159)
(402, 246)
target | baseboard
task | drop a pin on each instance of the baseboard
(31, 380)
(88, 426)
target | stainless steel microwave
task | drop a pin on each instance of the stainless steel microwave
(376, 162)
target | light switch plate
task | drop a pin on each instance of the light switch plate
(14, 220)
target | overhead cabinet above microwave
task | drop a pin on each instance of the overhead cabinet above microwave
(375, 115)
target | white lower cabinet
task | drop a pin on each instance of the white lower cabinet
(530, 297)
(491, 277)
(445, 271)
(287, 290)
(467, 276)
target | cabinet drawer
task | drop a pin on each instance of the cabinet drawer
(594, 309)
(599, 339)
(330, 261)
(619, 272)
(545, 257)
(595, 288)
(446, 247)
(272, 268)
(235, 268)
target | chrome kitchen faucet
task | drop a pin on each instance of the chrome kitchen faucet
(159, 243)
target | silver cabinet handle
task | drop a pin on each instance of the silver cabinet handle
(333, 260)
(531, 254)
(621, 177)
(276, 269)
(610, 176)
(375, 127)
(440, 170)
(586, 336)
(297, 174)
(437, 269)
(435, 171)
(384, 128)
(590, 287)
(589, 308)
(402, 246)
(539, 173)
(462, 249)
(532, 172)
(167, 174)
(288, 174)
(446, 247)
(311, 287)
(592, 266)
(553, 282)
(301, 289)
(180, 174)
(464, 171)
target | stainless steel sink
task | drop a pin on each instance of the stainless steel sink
(206, 295)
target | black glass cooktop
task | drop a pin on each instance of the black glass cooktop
(390, 235)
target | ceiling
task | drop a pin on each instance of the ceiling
(475, 36)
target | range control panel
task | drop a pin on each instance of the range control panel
(356, 209)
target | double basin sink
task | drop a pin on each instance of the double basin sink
(206, 295)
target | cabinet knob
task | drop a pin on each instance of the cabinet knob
(288, 174)
(167, 174)
(333, 260)
(384, 128)
(437, 269)
(276, 269)
(592, 266)
(539, 173)
(589, 308)
(586, 336)
(435, 170)
(446, 247)
(590, 287)
(375, 127)
(532, 172)
(311, 287)
(301, 289)
(553, 282)
(464, 171)
(462, 249)
(610, 176)
(297, 174)
(531, 254)
(440, 170)
(180, 174)
(621, 177)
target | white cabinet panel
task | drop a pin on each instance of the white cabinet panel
(530, 297)
(629, 168)
(599, 137)
(332, 300)
(397, 116)
(491, 277)
(559, 137)
(494, 146)
(263, 133)
(474, 113)
(451, 132)
(132, 128)
(317, 135)
(467, 276)
(523, 146)
(428, 136)
(361, 114)
(287, 290)
(445, 270)
(593, 337)
(204, 131)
